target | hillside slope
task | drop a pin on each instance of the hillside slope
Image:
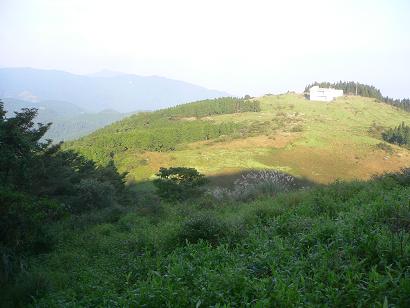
(337, 246)
(73, 235)
(123, 92)
(319, 141)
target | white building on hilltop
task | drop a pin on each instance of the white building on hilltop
(324, 94)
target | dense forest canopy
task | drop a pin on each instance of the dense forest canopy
(355, 88)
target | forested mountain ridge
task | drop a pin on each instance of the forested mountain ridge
(68, 120)
(70, 128)
(47, 110)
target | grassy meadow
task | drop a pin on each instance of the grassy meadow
(319, 141)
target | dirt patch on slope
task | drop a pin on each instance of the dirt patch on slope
(274, 141)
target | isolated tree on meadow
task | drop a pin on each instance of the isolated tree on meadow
(179, 183)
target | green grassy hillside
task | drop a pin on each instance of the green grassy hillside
(316, 140)
(343, 245)
(72, 234)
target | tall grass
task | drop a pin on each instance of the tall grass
(347, 244)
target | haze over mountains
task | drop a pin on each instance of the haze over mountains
(100, 91)
(80, 104)
(69, 121)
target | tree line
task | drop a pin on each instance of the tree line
(208, 107)
(353, 88)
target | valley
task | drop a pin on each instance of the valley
(69, 121)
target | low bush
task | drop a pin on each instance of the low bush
(93, 194)
(262, 213)
(26, 287)
(399, 135)
(205, 227)
(385, 147)
(23, 219)
(297, 129)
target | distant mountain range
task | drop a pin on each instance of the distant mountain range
(100, 91)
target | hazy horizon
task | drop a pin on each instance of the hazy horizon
(239, 47)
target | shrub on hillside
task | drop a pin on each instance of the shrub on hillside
(22, 218)
(202, 227)
(23, 223)
(402, 177)
(376, 130)
(179, 183)
(297, 129)
(93, 194)
(385, 147)
(399, 135)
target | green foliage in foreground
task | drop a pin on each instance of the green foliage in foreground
(399, 135)
(39, 185)
(347, 244)
(179, 183)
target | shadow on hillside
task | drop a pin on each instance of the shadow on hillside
(256, 175)
(232, 179)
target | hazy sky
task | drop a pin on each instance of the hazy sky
(253, 47)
